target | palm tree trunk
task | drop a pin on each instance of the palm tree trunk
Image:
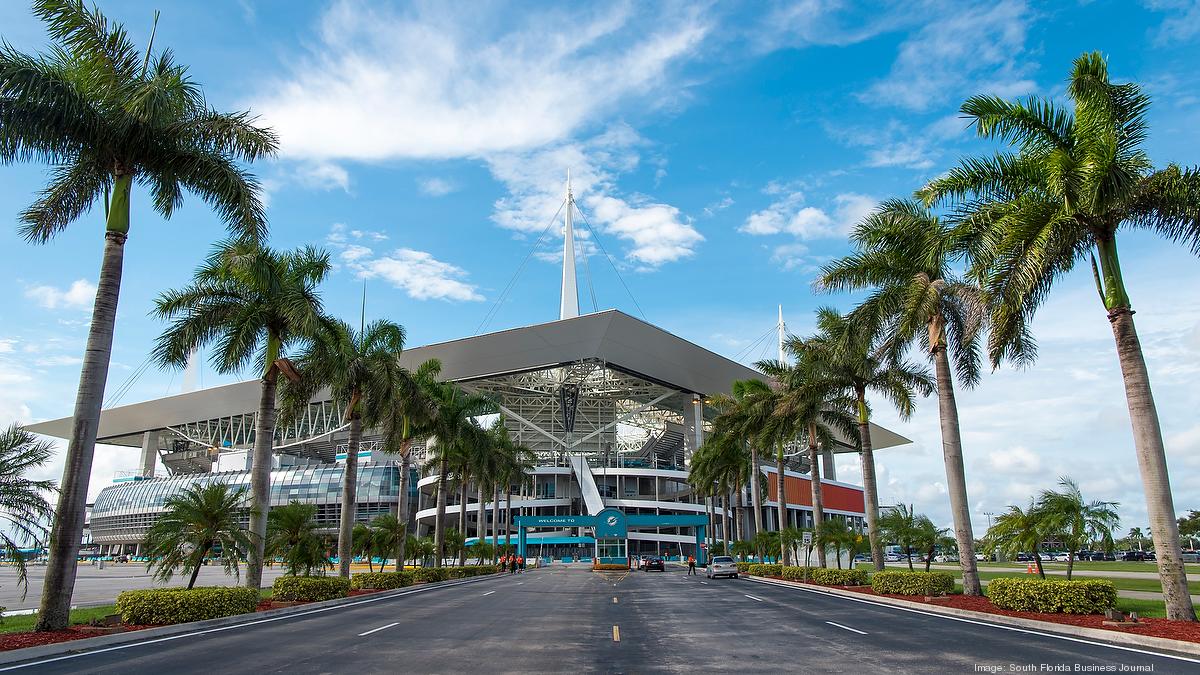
(870, 484)
(755, 495)
(507, 517)
(814, 475)
(260, 476)
(196, 570)
(1070, 563)
(908, 557)
(726, 503)
(462, 519)
(956, 475)
(479, 519)
(402, 512)
(349, 500)
(1152, 464)
(439, 526)
(781, 503)
(495, 521)
(929, 557)
(55, 609)
(1037, 557)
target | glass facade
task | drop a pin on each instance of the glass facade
(123, 512)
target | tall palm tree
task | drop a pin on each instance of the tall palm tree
(292, 535)
(1137, 535)
(252, 303)
(106, 116)
(408, 416)
(813, 405)
(1018, 530)
(361, 369)
(906, 255)
(857, 358)
(899, 524)
(24, 511)
(742, 416)
(453, 427)
(200, 520)
(516, 469)
(1076, 522)
(390, 536)
(1074, 177)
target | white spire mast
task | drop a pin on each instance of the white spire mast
(569, 306)
(782, 329)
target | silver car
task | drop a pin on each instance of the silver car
(721, 566)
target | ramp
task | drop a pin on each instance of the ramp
(587, 484)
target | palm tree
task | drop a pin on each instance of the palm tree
(455, 542)
(837, 534)
(361, 369)
(742, 548)
(422, 549)
(107, 116)
(1075, 522)
(362, 538)
(408, 416)
(857, 358)
(906, 255)
(928, 537)
(1137, 535)
(740, 415)
(811, 403)
(1018, 530)
(791, 538)
(390, 536)
(453, 427)
(254, 303)
(23, 507)
(1074, 178)
(516, 469)
(201, 519)
(292, 535)
(899, 524)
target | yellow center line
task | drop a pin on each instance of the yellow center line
(616, 634)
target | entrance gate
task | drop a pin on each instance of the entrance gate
(611, 528)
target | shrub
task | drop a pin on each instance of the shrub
(1091, 596)
(162, 606)
(765, 570)
(609, 567)
(744, 567)
(840, 577)
(912, 583)
(381, 581)
(795, 573)
(428, 574)
(313, 589)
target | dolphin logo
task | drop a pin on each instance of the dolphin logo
(612, 520)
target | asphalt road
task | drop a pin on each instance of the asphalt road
(573, 620)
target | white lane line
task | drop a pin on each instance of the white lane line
(489, 592)
(520, 582)
(376, 630)
(852, 630)
(752, 597)
(1055, 636)
(221, 629)
(704, 582)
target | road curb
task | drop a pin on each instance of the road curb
(1111, 637)
(19, 656)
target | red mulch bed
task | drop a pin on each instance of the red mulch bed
(10, 641)
(1188, 631)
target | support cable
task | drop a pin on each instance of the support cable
(116, 396)
(587, 271)
(603, 250)
(511, 282)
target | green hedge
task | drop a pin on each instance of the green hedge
(836, 577)
(428, 574)
(381, 581)
(796, 573)
(764, 570)
(311, 589)
(1091, 596)
(744, 567)
(912, 583)
(162, 606)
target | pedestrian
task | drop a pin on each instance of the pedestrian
(691, 565)
(520, 564)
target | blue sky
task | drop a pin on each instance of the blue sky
(720, 151)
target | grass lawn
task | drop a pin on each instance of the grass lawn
(25, 622)
(1117, 566)
(1144, 608)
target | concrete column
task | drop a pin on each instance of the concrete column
(149, 453)
(828, 468)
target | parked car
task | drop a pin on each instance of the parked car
(862, 557)
(892, 557)
(722, 566)
(656, 563)
(1134, 556)
(1024, 557)
(947, 557)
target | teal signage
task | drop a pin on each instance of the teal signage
(611, 524)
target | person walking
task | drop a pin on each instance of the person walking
(691, 565)
(520, 564)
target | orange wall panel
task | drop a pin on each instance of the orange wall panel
(799, 493)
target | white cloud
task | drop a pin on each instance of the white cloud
(58, 360)
(1182, 22)
(417, 273)
(718, 206)
(965, 48)
(323, 176)
(791, 257)
(790, 215)
(1017, 460)
(455, 84)
(655, 233)
(436, 187)
(79, 295)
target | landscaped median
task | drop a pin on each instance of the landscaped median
(155, 608)
(1078, 603)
